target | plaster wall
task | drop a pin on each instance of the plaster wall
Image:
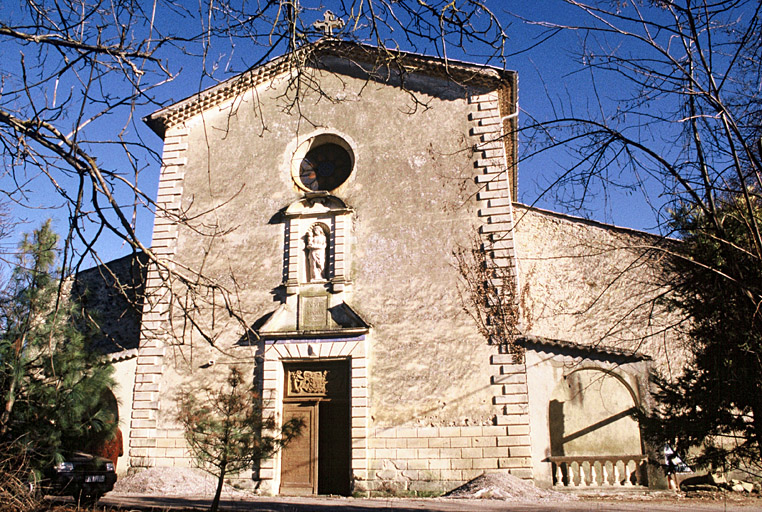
(229, 172)
(441, 404)
(435, 403)
(124, 375)
(596, 285)
(413, 177)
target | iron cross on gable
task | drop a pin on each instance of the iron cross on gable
(328, 23)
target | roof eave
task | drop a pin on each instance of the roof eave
(158, 121)
(600, 350)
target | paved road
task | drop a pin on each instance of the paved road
(269, 504)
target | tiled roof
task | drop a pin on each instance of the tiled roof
(589, 349)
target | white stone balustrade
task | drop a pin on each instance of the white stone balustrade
(599, 471)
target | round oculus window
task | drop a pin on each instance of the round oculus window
(325, 167)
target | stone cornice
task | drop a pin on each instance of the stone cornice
(464, 73)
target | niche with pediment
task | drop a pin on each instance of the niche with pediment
(316, 252)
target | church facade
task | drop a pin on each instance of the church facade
(307, 216)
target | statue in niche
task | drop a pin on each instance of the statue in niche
(317, 242)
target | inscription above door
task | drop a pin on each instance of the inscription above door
(313, 313)
(329, 381)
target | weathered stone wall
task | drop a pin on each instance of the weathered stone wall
(410, 214)
(112, 297)
(228, 171)
(146, 430)
(433, 403)
(594, 284)
(440, 458)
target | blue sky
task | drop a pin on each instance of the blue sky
(552, 75)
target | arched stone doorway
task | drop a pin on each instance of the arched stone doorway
(112, 447)
(590, 414)
(594, 438)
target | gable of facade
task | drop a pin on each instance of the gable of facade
(312, 242)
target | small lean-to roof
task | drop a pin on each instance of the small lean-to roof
(595, 350)
(464, 73)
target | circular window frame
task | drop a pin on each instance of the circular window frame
(313, 143)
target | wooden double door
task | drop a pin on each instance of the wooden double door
(318, 460)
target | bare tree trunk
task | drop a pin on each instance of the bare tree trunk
(220, 483)
(9, 401)
(10, 398)
(757, 412)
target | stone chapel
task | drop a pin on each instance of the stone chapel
(325, 193)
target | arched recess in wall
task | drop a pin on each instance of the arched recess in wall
(111, 448)
(590, 414)
(111, 404)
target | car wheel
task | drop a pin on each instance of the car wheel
(86, 500)
(34, 488)
(90, 500)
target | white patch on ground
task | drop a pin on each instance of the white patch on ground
(172, 482)
(503, 486)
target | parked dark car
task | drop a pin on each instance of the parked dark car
(83, 476)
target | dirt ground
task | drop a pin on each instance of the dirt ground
(675, 503)
(184, 490)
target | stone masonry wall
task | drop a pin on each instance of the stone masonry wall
(435, 404)
(146, 439)
(438, 459)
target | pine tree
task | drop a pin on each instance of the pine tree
(714, 409)
(225, 428)
(51, 383)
